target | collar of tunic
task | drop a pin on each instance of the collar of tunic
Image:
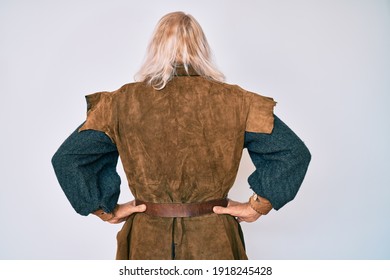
(185, 70)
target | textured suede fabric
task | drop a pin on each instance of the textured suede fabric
(180, 144)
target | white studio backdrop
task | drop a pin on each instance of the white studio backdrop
(326, 63)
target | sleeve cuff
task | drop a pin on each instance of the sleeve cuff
(260, 204)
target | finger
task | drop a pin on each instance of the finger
(113, 221)
(220, 210)
(139, 208)
(122, 219)
(226, 210)
(116, 220)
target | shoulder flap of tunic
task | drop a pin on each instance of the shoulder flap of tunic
(260, 117)
(101, 114)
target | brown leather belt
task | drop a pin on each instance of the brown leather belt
(181, 209)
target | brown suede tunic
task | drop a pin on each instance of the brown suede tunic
(180, 144)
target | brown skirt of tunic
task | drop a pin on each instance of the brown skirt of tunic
(210, 236)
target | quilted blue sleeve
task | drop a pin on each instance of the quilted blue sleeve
(281, 160)
(85, 166)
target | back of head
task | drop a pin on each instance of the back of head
(178, 39)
